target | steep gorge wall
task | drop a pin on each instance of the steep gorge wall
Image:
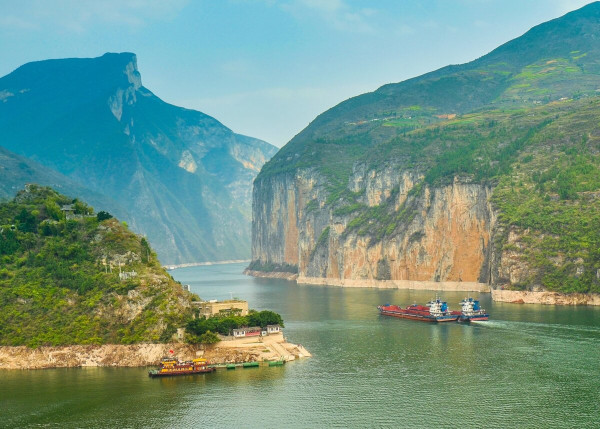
(446, 235)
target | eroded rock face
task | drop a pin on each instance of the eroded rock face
(445, 235)
(511, 268)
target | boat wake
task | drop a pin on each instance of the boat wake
(551, 330)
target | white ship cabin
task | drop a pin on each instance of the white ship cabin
(438, 307)
(273, 329)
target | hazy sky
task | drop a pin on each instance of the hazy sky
(266, 68)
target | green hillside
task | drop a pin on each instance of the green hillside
(60, 281)
(559, 58)
(554, 60)
(522, 119)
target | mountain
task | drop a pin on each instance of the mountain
(80, 278)
(559, 58)
(481, 173)
(182, 178)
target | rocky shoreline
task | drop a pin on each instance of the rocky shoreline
(369, 283)
(271, 274)
(397, 284)
(500, 295)
(271, 347)
(202, 264)
(544, 297)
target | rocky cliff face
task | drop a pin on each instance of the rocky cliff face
(396, 185)
(446, 233)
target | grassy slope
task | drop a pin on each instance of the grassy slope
(54, 288)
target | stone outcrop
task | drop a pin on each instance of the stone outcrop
(272, 275)
(396, 284)
(272, 347)
(545, 297)
(444, 234)
(23, 357)
(445, 238)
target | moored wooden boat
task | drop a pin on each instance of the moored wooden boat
(171, 366)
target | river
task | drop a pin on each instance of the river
(529, 366)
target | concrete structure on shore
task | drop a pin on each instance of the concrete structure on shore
(229, 307)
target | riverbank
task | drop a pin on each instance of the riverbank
(377, 284)
(500, 295)
(255, 349)
(548, 298)
(272, 347)
(203, 264)
(271, 274)
(397, 284)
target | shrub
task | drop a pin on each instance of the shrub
(209, 338)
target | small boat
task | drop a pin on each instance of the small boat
(249, 364)
(171, 366)
(435, 311)
(277, 362)
(471, 311)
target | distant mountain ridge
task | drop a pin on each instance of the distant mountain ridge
(183, 178)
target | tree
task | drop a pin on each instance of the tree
(102, 215)
(146, 251)
(264, 318)
(53, 210)
(26, 221)
(209, 338)
(81, 208)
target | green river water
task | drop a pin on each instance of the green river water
(529, 366)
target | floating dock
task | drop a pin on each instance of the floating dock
(247, 364)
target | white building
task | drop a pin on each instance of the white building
(273, 329)
(247, 332)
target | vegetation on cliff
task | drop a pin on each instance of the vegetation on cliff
(70, 276)
(551, 200)
(522, 120)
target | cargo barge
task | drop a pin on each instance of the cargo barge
(471, 311)
(170, 366)
(435, 311)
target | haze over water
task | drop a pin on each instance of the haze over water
(529, 366)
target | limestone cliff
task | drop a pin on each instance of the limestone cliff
(445, 237)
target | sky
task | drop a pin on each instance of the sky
(266, 68)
